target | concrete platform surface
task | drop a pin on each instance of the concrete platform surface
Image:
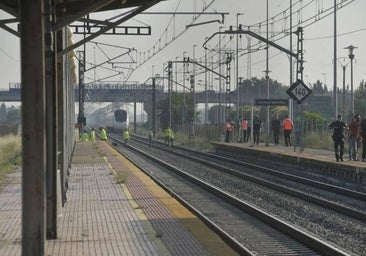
(112, 208)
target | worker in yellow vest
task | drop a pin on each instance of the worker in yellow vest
(126, 136)
(84, 136)
(169, 137)
(103, 134)
(92, 135)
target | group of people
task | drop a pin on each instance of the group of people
(85, 136)
(354, 133)
(287, 126)
(168, 136)
(88, 136)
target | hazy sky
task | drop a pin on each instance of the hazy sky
(318, 40)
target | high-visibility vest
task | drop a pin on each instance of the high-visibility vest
(287, 124)
(244, 124)
(92, 136)
(84, 137)
(103, 134)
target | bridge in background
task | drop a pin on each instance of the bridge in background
(114, 92)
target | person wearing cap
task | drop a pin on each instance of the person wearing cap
(338, 136)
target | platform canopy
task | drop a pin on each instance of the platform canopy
(72, 8)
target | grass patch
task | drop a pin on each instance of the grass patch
(317, 141)
(10, 154)
(121, 178)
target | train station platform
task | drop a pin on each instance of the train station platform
(323, 160)
(112, 208)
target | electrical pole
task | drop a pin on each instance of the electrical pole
(351, 57)
(206, 92)
(267, 79)
(237, 72)
(335, 98)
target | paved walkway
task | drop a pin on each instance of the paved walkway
(319, 154)
(111, 209)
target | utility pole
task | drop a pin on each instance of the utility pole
(170, 87)
(267, 80)
(344, 64)
(176, 74)
(291, 106)
(193, 88)
(206, 92)
(220, 84)
(351, 57)
(335, 98)
(184, 93)
(237, 71)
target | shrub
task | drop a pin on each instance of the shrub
(317, 141)
(10, 154)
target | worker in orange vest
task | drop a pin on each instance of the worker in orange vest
(244, 128)
(287, 126)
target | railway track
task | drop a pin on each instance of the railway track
(232, 186)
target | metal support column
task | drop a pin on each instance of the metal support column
(81, 117)
(170, 87)
(153, 103)
(34, 128)
(227, 84)
(299, 75)
(51, 122)
(62, 95)
(134, 116)
(193, 110)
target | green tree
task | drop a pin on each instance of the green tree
(312, 121)
(180, 112)
(14, 115)
(360, 99)
(319, 89)
(3, 116)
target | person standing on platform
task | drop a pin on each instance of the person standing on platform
(249, 130)
(276, 127)
(363, 135)
(339, 127)
(228, 128)
(103, 134)
(244, 129)
(354, 136)
(348, 139)
(151, 135)
(85, 136)
(288, 126)
(257, 125)
(92, 135)
(126, 136)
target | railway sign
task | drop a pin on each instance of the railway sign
(271, 102)
(298, 91)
